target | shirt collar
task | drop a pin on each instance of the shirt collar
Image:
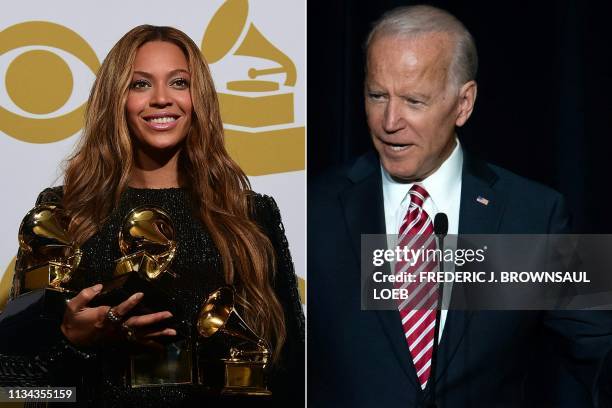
(441, 184)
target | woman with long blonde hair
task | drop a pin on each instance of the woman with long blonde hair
(153, 136)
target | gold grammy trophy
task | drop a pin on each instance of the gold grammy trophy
(147, 243)
(147, 240)
(255, 103)
(48, 256)
(244, 370)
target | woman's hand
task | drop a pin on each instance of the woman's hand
(90, 326)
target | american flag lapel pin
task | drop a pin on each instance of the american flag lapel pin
(482, 200)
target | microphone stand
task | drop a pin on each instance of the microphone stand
(440, 229)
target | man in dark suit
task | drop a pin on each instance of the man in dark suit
(420, 71)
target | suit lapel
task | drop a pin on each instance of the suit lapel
(455, 327)
(363, 201)
(481, 212)
(364, 214)
(481, 206)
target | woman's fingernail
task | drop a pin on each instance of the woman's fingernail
(97, 287)
(137, 296)
(171, 332)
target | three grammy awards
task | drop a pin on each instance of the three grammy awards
(147, 240)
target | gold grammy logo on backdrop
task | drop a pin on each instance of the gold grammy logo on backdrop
(40, 82)
(255, 103)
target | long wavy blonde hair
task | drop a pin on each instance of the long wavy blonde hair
(99, 172)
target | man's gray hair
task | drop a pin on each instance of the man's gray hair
(413, 21)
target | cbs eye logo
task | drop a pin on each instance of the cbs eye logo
(39, 82)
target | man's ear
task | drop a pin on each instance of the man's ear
(467, 98)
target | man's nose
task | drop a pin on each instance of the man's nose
(160, 97)
(393, 120)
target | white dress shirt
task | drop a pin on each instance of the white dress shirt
(444, 188)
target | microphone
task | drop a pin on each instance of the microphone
(440, 229)
(441, 225)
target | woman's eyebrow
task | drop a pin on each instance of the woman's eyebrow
(173, 72)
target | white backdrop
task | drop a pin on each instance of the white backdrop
(26, 168)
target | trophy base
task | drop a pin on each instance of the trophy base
(245, 391)
(46, 302)
(234, 377)
(38, 311)
(120, 289)
(244, 378)
(154, 300)
(172, 366)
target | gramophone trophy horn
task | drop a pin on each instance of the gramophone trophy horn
(244, 370)
(48, 255)
(147, 242)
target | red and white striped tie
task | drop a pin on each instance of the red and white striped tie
(418, 311)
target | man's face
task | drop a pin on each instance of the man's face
(412, 109)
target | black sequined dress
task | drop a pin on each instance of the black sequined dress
(100, 374)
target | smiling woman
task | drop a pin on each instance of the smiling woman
(151, 188)
(158, 112)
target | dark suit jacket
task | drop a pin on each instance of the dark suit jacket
(487, 358)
